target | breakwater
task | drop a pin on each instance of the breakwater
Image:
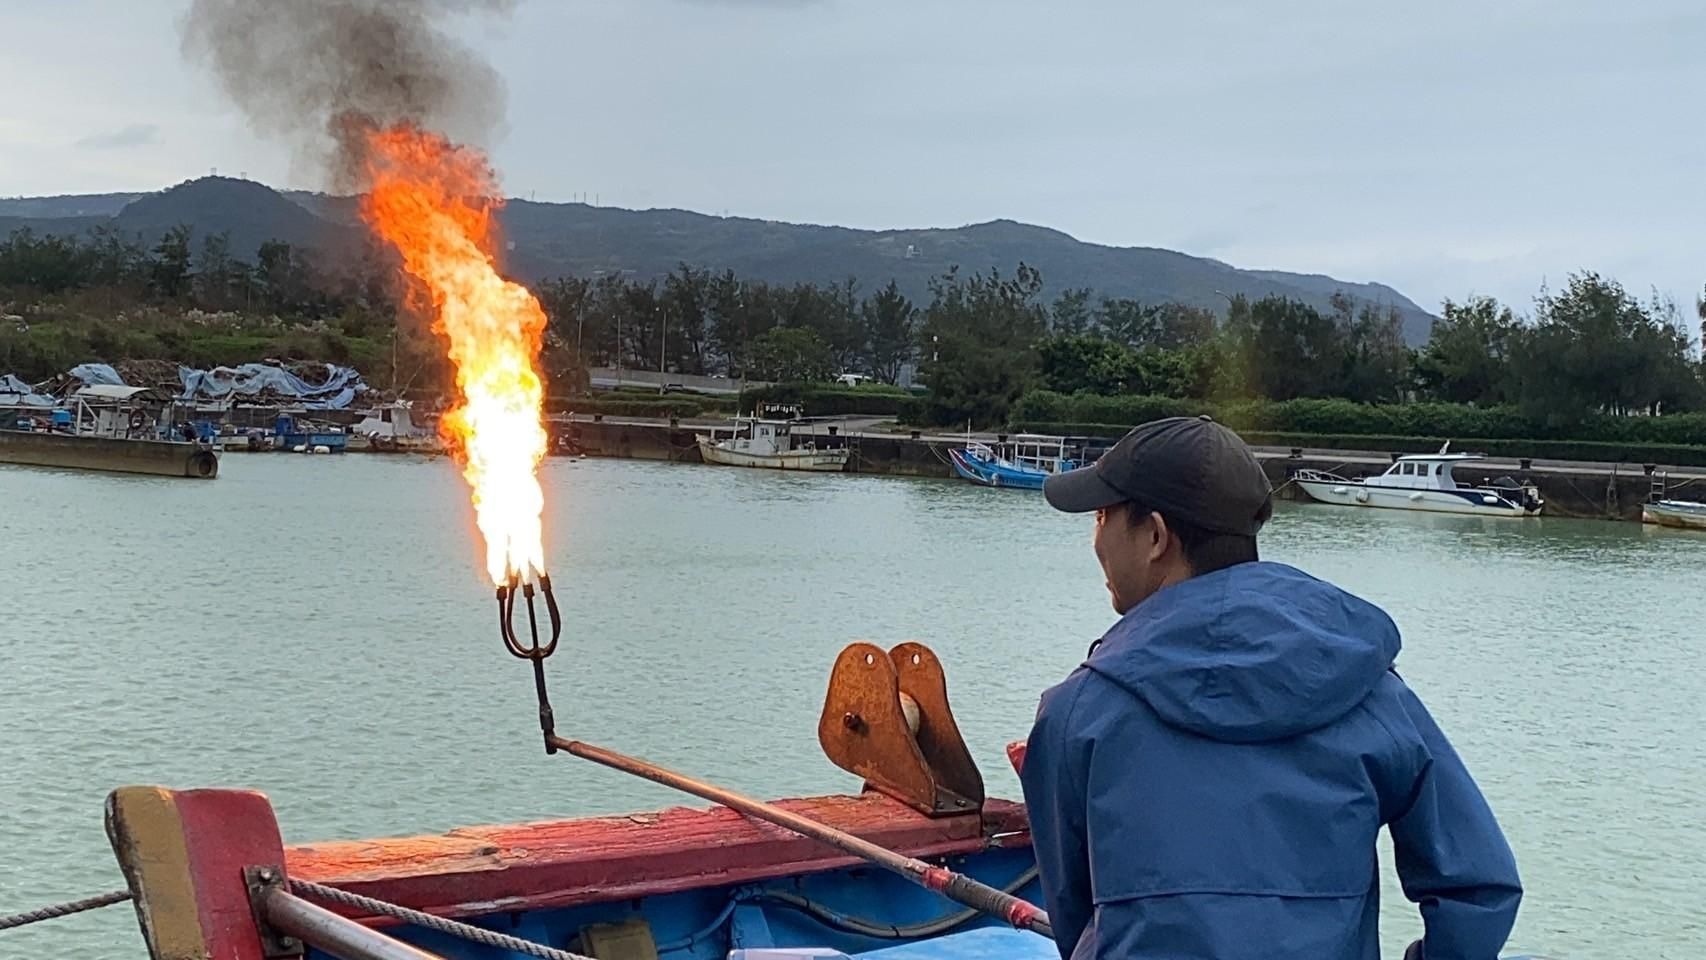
(1571, 489)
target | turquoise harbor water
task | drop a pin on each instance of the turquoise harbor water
(318, 628)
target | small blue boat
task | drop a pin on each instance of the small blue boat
(299, 436)
(1023, 462)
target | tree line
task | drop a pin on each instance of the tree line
(1589, 349)
(978, 344)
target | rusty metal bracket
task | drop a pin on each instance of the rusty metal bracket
(263, 881)
(886, 719)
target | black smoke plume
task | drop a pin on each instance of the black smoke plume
(315, 73)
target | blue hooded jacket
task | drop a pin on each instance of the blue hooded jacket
(1210, 785)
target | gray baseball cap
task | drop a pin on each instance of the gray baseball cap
(1188, 468)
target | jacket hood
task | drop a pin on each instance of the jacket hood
(1257, 651)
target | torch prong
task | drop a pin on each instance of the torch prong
(533, 650)
(551, 609)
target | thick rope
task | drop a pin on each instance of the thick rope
(490, 938)
(63, 909)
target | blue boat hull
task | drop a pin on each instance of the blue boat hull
(791, 918)
(677, 884)
(990, 473)
(840, 910)
(333, 442)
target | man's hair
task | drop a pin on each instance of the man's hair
(1206, 550)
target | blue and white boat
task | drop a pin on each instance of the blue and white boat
(298, 435)
(1023, 461)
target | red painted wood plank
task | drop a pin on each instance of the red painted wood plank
(225, 831)
(183, 854)
(478, 870)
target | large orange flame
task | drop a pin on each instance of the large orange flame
(434, 200)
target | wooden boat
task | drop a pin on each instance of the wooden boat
(212, 877)
(1022, 462)
(1687, 514)
(766, 442)
(209, 875)
(1422, 483)
(673, 884)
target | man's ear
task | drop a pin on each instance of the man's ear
(1158, 534)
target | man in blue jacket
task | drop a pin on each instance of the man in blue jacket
(1210, 783)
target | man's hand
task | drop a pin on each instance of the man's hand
(1016, 755)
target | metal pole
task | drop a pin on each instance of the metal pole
(337, 935)
(955, 886)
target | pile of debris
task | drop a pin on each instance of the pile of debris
(308, 386)
(162, 375)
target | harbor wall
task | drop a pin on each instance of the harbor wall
(895, 456)
(156, 457)
(1601, 491)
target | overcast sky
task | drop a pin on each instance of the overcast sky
(1446, 148)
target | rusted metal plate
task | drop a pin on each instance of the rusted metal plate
(920, 677)
(886, 719)
(863, 728)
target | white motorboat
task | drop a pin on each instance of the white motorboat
(1423, 482)
(767, 442)
(390, 427)
(1687, 514)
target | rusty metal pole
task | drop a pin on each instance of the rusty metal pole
(326, 931)
(955, 886)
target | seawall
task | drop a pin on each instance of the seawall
(895, 455)
(1571, 489)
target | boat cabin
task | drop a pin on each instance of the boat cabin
(767, 431)
(1037, 452)
(1430, 472)
(391, 421)
(116, 410)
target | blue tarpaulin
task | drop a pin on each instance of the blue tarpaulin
(17, 393)
(336, 392)
(97, 374)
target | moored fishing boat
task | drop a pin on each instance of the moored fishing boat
(1022, 462)
(296, 434)
(109, 428)
(765, 440)
(1425, 483)
(1687, 514)
(390, 427)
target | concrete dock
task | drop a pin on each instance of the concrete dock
(1570, 488)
